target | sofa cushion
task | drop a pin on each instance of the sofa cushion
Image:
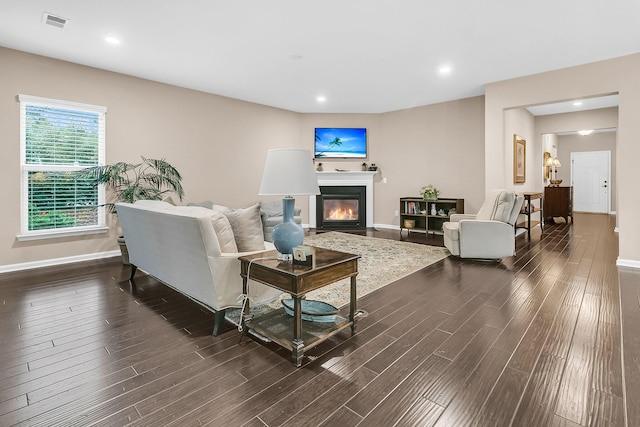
(247, 227)
(224, 232)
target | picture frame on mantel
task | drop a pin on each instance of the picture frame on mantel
(519, 159)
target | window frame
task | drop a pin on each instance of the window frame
(25, 168)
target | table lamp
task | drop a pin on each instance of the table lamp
(554, 163)
(288, 172)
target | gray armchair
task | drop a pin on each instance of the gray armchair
(271, 215)
(490, 234)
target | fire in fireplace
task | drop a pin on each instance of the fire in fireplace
(341, 208)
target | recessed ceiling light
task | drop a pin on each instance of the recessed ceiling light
(112, 40)
(444, 70)
(585, 132)
(321, 99)
(577, 103)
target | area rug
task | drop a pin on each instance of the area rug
(382, 262)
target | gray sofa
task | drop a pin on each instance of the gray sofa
(271, 214)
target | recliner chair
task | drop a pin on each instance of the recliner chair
(490, 234)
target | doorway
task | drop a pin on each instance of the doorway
(591, 180)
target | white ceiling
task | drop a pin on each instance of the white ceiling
(364, 56)
(575, 105)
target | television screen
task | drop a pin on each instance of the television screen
(340, 143)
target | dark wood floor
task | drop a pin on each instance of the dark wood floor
(533, 341)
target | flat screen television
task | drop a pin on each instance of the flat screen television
(340, 143)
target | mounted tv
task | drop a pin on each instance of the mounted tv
(340, 143)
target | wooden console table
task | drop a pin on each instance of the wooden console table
(559, 203)
(291, 332)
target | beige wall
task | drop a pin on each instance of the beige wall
(219, 144)
(440, 144)
(617, 75)
(519, 121)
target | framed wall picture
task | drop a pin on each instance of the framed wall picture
(547, 169)
(519, 159)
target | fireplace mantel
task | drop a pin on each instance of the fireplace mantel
(346, 178)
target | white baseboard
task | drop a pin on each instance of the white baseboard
(630, 263)
(57, 261)
(387, 226)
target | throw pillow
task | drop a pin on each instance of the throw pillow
(247, 228)
(221, 208)
(224, 232)
(205, 204)
(170, 200)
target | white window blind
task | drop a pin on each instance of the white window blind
(58, 138)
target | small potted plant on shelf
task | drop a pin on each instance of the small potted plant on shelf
(429, 192)
(150, 179)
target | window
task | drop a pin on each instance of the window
(58, 138)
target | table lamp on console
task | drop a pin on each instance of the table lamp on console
(554, 164)
(288, 172)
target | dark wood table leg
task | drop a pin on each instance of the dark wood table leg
(352, 305)
(298, 344)
(246, 308)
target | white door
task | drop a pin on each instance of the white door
(591, 181)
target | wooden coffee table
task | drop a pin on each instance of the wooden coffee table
(293, 333)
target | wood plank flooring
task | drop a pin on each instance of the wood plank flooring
(546, 338)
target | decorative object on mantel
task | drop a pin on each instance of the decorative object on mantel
(554, 163)
(319, 167)
(365, 167)
(429, 192)
(373, 167)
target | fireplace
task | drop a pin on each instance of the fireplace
(346, 179)
(341, 208)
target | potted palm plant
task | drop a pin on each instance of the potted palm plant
(151, 179)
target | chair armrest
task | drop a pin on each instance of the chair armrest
(460, 217)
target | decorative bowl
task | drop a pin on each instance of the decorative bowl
(313, 311)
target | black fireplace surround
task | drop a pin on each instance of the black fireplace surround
(341, 208)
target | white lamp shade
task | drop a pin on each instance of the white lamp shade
(290, 172)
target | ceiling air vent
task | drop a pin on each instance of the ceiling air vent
(56, 21)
